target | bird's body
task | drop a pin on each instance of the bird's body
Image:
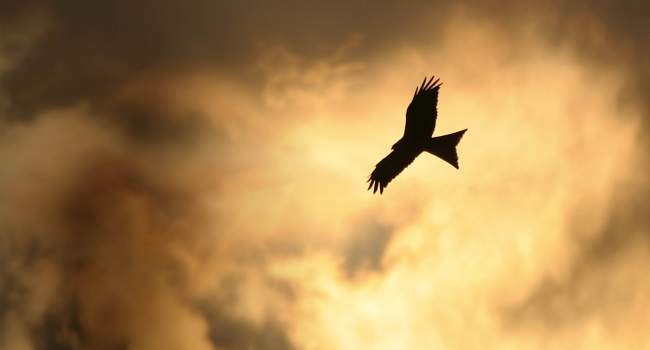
(421, 116)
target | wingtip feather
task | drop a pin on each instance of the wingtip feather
(427, 85)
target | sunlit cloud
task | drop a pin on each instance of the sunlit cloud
(194, 205)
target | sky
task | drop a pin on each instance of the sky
(191, 175)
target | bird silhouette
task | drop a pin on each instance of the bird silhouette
(421, 117)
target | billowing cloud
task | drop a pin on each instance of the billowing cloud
(190, 176)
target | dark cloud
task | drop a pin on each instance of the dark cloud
(63, 330)
(112, 252)
(88, 51)
(613, 33)
(230, 332)
(366, 247)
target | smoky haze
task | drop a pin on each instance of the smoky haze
(189, 175)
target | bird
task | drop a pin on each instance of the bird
(421, 116)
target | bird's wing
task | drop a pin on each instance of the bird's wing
(389, 167)
(422, 112)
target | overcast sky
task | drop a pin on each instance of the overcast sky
(190, 175)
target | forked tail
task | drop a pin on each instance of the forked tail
(445, 147)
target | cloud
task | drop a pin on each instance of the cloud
(366, 248)
(190, 176)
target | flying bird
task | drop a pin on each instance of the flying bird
(421, 117)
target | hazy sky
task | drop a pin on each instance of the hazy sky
(191, 175)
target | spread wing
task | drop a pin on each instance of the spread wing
(389, 167)
(422, 112)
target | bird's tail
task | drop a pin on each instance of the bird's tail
(445, 147)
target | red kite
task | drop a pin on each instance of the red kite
(420, 122)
